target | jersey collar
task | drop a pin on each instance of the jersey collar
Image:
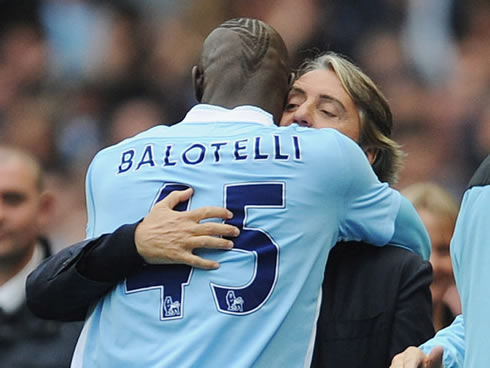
(204, 113)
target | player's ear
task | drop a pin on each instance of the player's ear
(197, 82)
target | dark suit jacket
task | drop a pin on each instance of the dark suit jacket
(66, 284)
(376, 302)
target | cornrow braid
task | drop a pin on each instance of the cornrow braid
(255, 40)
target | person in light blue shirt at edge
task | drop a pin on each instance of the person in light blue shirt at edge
(462, 344)
(262, 169)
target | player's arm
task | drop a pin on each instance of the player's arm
(374, 212)
(410, 231)
(66, 284)
(446, 349)
(452, 340)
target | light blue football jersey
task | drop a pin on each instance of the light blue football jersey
(294, 193)
(453, 340)
(465, 340)
(470, 253)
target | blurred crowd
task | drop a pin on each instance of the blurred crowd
(78, 75)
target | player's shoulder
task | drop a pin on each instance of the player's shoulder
(143, 137)
(108, 156)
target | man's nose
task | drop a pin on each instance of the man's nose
(303, 116)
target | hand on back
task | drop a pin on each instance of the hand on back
(166, 236)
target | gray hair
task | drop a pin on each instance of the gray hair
(374, 112)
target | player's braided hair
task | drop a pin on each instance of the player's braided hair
(254, 38)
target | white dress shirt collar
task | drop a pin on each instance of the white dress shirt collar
(12, 293)
(204, 113)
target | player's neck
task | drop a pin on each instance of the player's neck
(265, 104)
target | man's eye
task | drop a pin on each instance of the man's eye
(291, 106)
(14, 199)
(328, 113)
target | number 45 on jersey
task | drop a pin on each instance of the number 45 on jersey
(172, 279)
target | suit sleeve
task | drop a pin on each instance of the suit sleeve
(66, 284)
(412, 322)
(452, 340)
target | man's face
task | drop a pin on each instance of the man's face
(318, 100)
(22, 211)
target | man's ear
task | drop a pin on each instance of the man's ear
(292, 77)
(197, 82)
(46, 209)
(372, 154)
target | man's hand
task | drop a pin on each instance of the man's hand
(413, 357)
(168, 236)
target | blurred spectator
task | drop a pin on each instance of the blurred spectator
(78, 125)
(28, 124)
(23, 51)
(438, 210)
(26, 340)
(75, 30)
(428, 26)
(345, 23)
(133, 117)
(69, 218)
(478, 134)
(117, 55)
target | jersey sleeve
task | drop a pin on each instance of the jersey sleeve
(409, 229)
(452, 340)
(370, 207)
(376, 213)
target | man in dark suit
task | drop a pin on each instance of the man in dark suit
(376, 301)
